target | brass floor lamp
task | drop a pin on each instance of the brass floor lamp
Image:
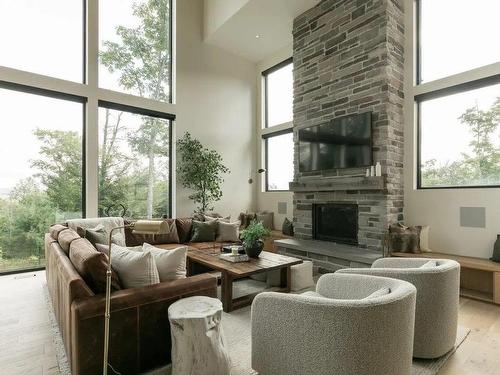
(139, 227)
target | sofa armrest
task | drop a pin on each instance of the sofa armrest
(139, 326)
(130, 298)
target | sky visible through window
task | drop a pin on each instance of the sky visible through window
(47, 40)
(280, 96)
(456, 36)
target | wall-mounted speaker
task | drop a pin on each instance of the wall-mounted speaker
(473, 217)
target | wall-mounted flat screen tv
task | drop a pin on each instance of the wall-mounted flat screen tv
(344, 142)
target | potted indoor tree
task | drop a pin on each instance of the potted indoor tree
(253, 237)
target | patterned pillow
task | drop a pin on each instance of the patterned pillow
(404, 239)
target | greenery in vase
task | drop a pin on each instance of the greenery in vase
(200, 169)
(254, 232)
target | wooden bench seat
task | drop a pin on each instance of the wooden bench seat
(479, 278)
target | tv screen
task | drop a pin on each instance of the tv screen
(344, 142)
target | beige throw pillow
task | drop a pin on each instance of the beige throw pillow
(228, 232)
(171, 264)
(134, 268)
(226, 219)
(424, 239)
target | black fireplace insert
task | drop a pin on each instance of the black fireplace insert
(336, 222)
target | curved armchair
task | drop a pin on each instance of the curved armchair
(340, 329)
(438, 288)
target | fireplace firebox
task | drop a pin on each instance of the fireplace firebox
(336, 222)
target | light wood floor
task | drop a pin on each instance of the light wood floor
(26, 345)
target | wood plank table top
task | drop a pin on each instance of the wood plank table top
(265, 262)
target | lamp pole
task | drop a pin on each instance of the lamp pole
(107, 312)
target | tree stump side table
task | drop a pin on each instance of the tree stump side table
(198, 343)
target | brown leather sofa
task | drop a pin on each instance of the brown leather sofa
(139, 330)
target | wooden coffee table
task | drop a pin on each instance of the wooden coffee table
(232, 271)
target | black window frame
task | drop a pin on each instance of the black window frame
(451, 90)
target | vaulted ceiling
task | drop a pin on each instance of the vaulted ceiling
(253, 29)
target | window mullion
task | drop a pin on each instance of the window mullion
(91, 123)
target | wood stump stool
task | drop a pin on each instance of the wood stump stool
(198, 343)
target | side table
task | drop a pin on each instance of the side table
(198, 343)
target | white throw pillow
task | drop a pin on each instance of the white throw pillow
(424, 239)
(171, 264)
(429, 264)
(135, 268)
(228, 232)
(302, 275)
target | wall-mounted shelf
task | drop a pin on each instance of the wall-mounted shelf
(339, 183)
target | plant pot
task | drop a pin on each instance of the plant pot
(496, 250)
(254, 250)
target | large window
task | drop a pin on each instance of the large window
(40, 173)
(44, 37)
(85, 98)
(456, 36)
(459, 117)
(278, 83)
(134, 164)
(135, 47)
(279, 161)
(277, 136)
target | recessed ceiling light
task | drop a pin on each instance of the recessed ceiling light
(257, 36)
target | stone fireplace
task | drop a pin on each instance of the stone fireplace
(348, 59)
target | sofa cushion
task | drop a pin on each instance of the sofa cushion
(66, 237)
(135, 239)
(107, 222)
(99, 235)
(203, 231)
(167, 246)
(56, 229)
(228, 232)
(135, 268)
(246, 219)
(171, 264)
(92, 266)
(267, 219)
(226, 219)
(184, 226)
(105, 248)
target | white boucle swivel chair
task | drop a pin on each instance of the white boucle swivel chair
(339, 329)
(438, 287)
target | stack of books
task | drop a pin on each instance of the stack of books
(234, 258)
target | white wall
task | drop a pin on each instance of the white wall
(217, 12)
(441, 208)
(215, 102)
(269, 200)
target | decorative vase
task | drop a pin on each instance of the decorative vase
(255, 250)
(496, 250)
